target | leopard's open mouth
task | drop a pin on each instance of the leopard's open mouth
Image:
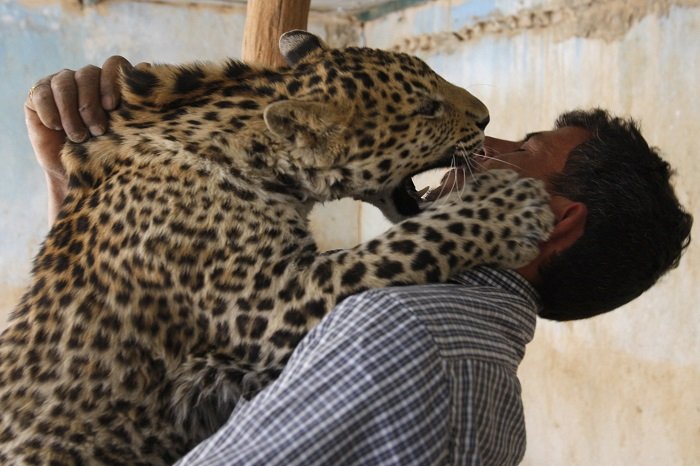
(409, 201)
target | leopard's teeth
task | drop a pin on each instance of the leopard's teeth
(433, 194)
(422, 191)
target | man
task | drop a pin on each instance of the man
(427, 374)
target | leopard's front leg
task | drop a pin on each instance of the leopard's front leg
(497, 219)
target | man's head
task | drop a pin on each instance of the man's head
(619, 224)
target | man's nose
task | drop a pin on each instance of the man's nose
(500, 146)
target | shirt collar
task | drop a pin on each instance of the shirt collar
(507, 280)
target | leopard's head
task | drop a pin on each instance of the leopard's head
(369, 120)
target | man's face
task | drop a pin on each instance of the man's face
(539, 155)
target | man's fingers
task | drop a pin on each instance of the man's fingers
(65, 93)
(87, 80)
(46, 143)
(41, 101)
(109, 81)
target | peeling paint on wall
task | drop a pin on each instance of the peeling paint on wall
(607, 20)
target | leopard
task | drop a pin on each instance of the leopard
(181, 272)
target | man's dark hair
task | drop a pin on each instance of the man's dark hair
(635, 229)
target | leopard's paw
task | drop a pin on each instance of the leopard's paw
(519, 218)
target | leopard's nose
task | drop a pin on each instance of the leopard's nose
(483, 123)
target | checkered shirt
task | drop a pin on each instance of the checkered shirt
(415, 375)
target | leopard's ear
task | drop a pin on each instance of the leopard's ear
(297, 44)
(307, 123)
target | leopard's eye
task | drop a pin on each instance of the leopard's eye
(431, 108)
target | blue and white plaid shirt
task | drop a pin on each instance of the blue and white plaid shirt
(396, 376)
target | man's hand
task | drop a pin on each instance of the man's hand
(69, 105)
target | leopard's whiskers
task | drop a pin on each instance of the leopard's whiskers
(488, 157)
(467, 161)
(453, 164)
(438, 199)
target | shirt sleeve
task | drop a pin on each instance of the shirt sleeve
(367, 386)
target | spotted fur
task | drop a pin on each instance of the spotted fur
(180, 273)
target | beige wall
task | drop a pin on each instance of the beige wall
(622, 388)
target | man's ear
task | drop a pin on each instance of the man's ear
(305, 122)
(570, 224)
(569, 227)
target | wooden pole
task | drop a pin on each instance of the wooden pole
(265, 22)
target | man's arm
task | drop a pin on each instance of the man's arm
(365, 387)
(69, 105)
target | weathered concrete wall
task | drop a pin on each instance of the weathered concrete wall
(39, 37)
(622, 388)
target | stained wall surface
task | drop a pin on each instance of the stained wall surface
(618, 389)
(622, 388)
